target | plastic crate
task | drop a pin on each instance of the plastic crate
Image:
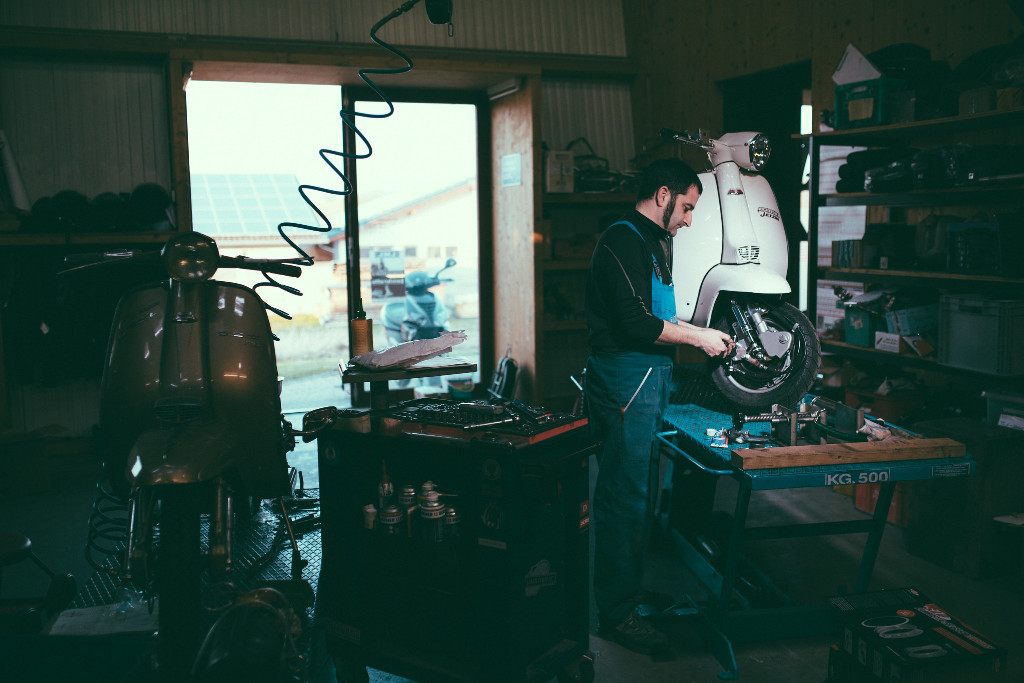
(865, 103)
(981, 334)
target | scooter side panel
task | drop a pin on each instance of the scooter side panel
(244, 383)
(698, 248)
(766, 223)
(131, 377)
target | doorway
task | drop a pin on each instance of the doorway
(771, 102)
(416, 197)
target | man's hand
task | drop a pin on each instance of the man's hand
(709, 340)
(714, 342)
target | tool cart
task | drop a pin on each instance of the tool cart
(456, 553)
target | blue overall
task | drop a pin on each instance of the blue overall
(627, 394)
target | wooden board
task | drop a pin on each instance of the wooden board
(846, 453)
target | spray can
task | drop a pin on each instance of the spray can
(425, 488)
(432, 517)
(452, 521)
(407, 501)
(391, 520)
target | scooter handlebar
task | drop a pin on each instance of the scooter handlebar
(685, 137)
(260, 264)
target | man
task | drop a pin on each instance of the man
(630, 307)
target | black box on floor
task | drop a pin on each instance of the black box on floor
(950, 522)
(901, 636)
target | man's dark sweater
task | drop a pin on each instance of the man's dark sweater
(618, 301)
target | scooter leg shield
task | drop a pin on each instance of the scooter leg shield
(751, 278)
(192, 453)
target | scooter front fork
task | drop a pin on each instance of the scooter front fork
(221, 530)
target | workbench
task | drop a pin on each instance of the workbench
(727, 616)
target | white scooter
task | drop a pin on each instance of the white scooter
(730, 273)
(421, 314)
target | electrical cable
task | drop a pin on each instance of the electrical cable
(348, 118)
(108, 529)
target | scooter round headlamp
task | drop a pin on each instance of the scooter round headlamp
(760, 149)
(190, 257)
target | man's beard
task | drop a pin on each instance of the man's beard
(667, 215)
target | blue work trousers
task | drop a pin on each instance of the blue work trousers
(627, 394)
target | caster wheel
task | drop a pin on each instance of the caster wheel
(580, 671)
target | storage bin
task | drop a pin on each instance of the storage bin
(865, 103)
(998, 403)
(981, 334)
(860, 326)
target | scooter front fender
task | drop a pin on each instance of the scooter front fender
(750, 278)
(192, 453)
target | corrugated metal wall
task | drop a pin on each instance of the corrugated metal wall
(599, 112)
(87, 126)
(103, 126)
(585, 27)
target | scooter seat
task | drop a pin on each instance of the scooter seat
(393, 315)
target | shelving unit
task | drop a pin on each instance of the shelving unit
(570, 226)
(1000, 127)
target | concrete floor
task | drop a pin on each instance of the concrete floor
(808, 569)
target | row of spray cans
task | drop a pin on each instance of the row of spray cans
(412, 513)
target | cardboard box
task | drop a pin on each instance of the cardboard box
(847, 254)
(890, 343)
(865, 499)
(901, 635)
(977, 100)
(866, 103)
(914, 320)
(560, 171)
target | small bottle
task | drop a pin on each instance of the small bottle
(369, 517)
(432, 517)
(361, 332)
(385, 492)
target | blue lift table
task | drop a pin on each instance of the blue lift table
(688, 444)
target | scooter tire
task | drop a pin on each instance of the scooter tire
(749, 389)
(179, 570)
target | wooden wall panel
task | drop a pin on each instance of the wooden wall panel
(586, 27)
(600, 112)
(515, 120)
(682, 50)
(952, 32)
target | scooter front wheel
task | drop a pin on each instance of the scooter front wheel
(784, 380)
(179, 568)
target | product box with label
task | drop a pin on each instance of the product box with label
(901, 635)
(913, 320)
(560, 171)
(866, 103)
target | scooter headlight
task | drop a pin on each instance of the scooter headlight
(760, 149)
(190, 257)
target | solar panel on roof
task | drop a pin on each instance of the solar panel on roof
(239, 204)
